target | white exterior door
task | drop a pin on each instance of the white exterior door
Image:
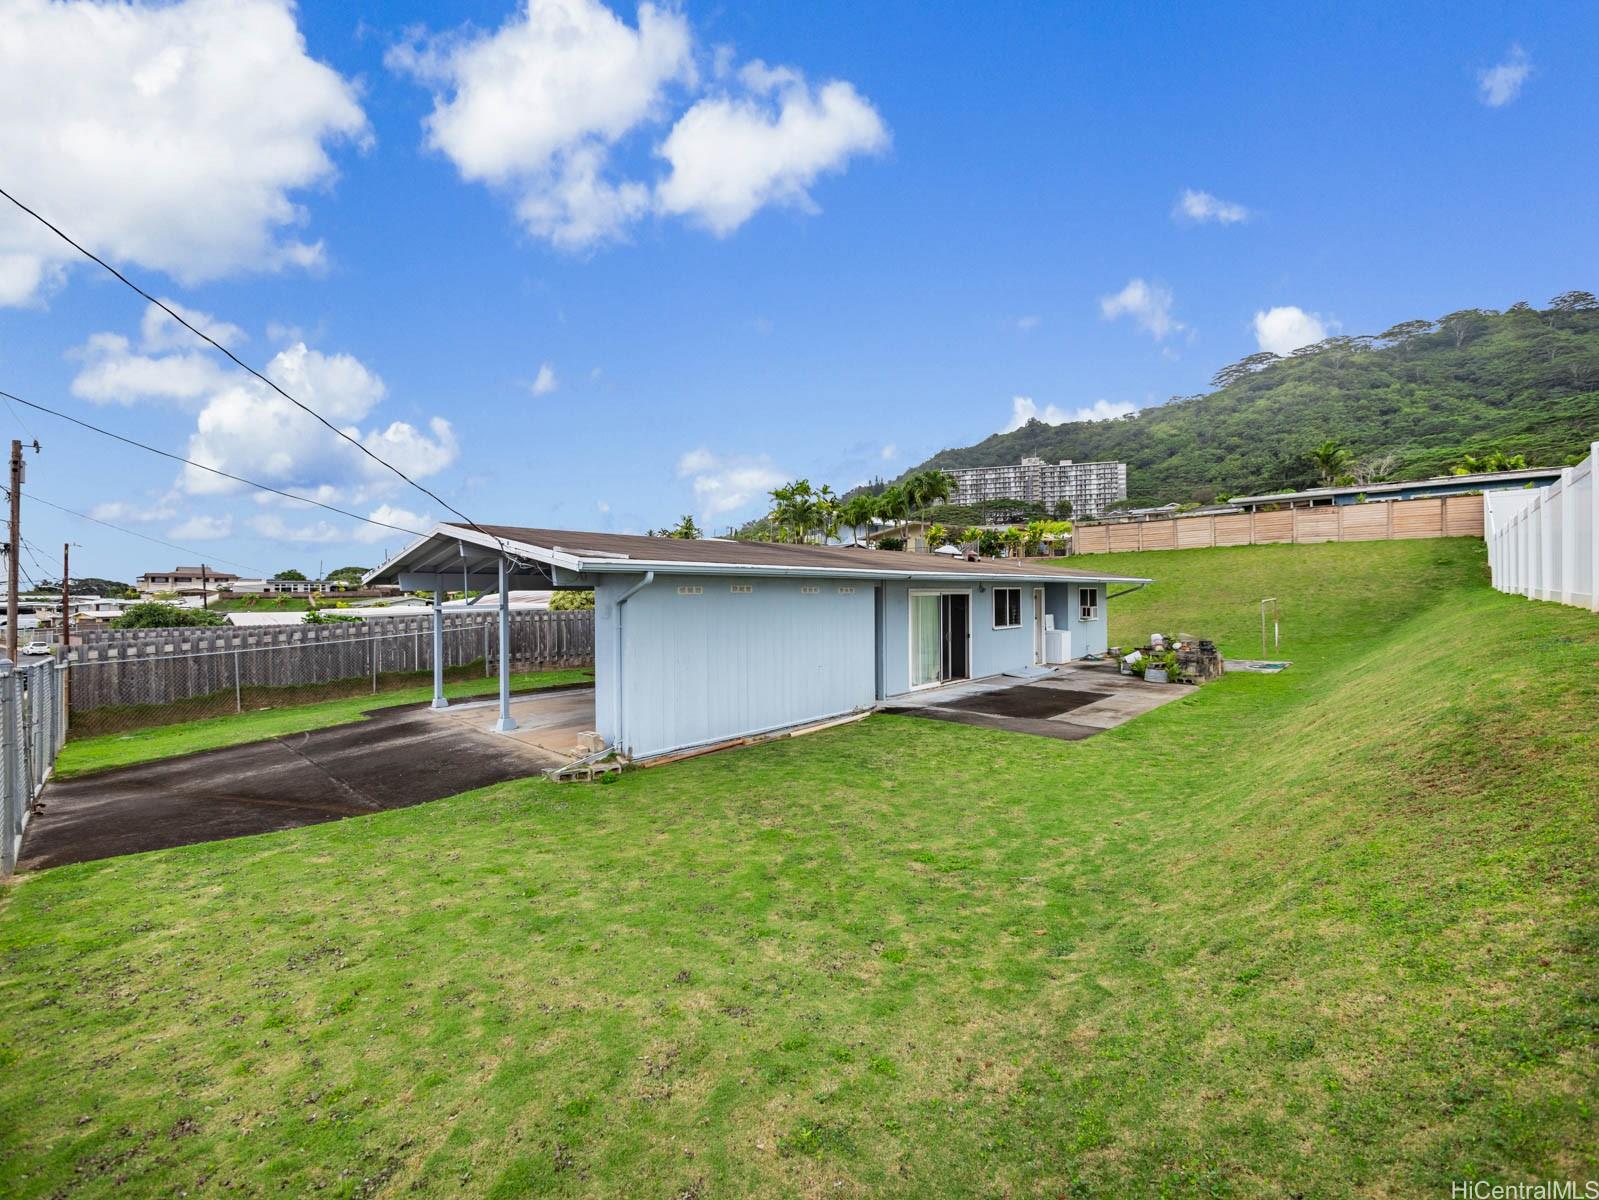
(1038, 626)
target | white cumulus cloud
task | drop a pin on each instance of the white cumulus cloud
(1284, 329)
(391, 514)
(311, 533)
(247, 429)
(545, 382)
(1498, 85)
(1201, 207)
(732, 155)
(133, 513)
(535, 106)
(173, 136)
(1148, 304)
(203, 527)
(724, 484)
(540, 107)
(1024, 409)
(168, 363)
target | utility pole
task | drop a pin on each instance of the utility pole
(203, 586)
(66, 621)
(66, 593)
(14, 549)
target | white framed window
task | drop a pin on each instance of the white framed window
(1007, 608)
(1088, 604)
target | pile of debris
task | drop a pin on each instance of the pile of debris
(1185, 660)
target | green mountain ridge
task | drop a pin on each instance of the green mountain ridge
(1525, 381)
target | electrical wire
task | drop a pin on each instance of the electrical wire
(200, 333)
(21, 424)
(343, 512)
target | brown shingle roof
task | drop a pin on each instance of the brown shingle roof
(713, 551)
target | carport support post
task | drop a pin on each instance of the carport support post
(438, 647)
(505, 724)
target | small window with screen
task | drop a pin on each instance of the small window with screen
(1088, 604)
(1007, 608)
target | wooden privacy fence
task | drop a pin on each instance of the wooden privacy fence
(158, 667)
(1544, 543)
(1378, 520)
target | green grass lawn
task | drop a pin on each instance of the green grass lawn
(104, 751)
(1331, 932)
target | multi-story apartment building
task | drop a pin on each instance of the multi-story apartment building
(1091, 487)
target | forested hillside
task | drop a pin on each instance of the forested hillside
(1525, 381)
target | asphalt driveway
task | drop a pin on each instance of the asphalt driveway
(396, 758)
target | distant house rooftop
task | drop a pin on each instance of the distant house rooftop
(1442, 485)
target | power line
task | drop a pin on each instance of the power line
(21, 424)
(198, 555)
(215, 471)
(199, 333)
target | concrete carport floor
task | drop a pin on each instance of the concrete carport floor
(396, 758)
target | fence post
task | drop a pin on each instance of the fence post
(8, 798)
(1593, 526)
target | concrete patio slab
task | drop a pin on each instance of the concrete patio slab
(1093, 697)
(396, 758)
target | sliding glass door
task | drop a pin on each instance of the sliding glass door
(926, 642)
(940, 637)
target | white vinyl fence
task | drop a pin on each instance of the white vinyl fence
(1544, 542)
(33, 724)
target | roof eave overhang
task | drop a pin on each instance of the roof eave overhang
(492, 548)
(673, 567)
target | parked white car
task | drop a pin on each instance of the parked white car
(38, 648)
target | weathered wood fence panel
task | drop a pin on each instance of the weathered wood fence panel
(1437, 516)
(166, 666)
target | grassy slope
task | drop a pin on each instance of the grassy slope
(1322, 933)
(100, 753)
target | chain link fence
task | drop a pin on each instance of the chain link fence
(164, 677)
(33, 724)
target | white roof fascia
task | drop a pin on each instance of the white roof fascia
(678, 567)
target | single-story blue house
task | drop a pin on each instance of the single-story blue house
(699, 642)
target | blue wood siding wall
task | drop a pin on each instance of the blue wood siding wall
(994, 651)
(718, 664)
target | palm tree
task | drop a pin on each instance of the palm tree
(937, 536)
(938, 487)
(827, 513)
(858, 512)
(893, 504)
(1494, 460)
(685, 529)
(1013, 539)
(1330, 458)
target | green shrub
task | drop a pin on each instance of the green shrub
(151, 615)
(567, 601)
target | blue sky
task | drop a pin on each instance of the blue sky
(738, 244)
